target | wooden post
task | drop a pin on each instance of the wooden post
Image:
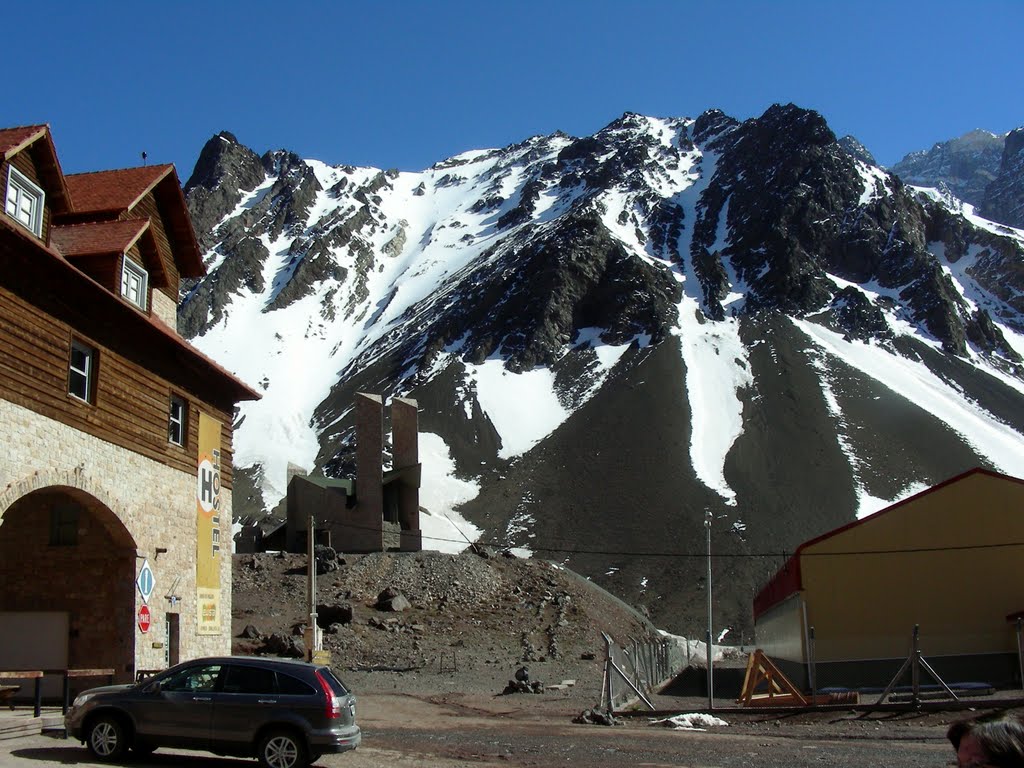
(1020, 648)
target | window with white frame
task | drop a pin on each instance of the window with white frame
(82, 371)
(24, 201)
(134, 280)
(177, 422)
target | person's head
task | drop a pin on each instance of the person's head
(995, 740)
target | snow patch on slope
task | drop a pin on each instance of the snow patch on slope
(522, 407)
(978, 428)
(441, 493)
(717, 368)
(866, 503)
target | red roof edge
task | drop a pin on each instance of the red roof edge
(241, 390)
(787, 581)
(51, 168)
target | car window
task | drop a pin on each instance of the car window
(292, 686)
(198, 678)
(239, 679)
(332, 680)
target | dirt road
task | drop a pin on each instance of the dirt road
(448, 732)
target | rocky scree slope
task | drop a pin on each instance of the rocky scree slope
(461, 622)
(614, 334)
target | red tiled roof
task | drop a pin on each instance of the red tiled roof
(96, 238)
(113, 190)
(13, 140)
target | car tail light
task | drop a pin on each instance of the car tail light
(333, 704)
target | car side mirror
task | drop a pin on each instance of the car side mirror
(153, 687)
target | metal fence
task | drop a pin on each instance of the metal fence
(634, 672)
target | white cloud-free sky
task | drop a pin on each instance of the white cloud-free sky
(405, 84)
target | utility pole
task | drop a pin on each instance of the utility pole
(710, 652)
(314, 637)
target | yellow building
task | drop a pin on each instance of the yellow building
(948, 559)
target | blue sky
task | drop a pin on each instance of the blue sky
(405, 84)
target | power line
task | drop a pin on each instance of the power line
(700, 555)
(734, 555)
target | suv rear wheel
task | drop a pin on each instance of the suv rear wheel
(106, 738)
(282, 749)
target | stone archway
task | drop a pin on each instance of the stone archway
(63, 549)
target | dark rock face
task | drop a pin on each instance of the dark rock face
(966, 165)
(857, 150)
(224, 171)
(208, 301)
(1004, 196)
(858, 317)
(539, 297)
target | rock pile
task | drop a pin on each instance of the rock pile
(472, 619)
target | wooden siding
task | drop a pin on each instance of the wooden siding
(148, 207)
(131, 403)
(104, 269)
(25, 163)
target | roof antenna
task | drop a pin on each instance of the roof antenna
(143, 158)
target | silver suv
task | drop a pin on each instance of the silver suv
(285, 713)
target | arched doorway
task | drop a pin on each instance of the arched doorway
(62, 551)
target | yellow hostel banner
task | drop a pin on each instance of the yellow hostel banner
(208, 617)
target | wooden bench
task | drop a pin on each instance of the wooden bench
(33, 674)
(7, 691)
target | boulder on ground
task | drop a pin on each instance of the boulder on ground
(392, 600)
(279, 645)
(339, 613)
(595, 717)
(523, 686)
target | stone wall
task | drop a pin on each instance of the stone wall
(165, 309)
(142, 504)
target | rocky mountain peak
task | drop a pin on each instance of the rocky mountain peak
(1004, 196)
(857, 150)
(712, 124)
(967, 165)
(224, 171)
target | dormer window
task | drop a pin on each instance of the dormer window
(134, 281)
(24, 201)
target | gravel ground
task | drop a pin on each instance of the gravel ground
(431, 677)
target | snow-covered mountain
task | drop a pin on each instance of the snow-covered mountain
(611, 335)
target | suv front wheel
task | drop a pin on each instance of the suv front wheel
(106, 738)
(282, 749)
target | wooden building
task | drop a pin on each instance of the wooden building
(115, 434)
(947, 559)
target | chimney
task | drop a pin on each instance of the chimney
(405, 454)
